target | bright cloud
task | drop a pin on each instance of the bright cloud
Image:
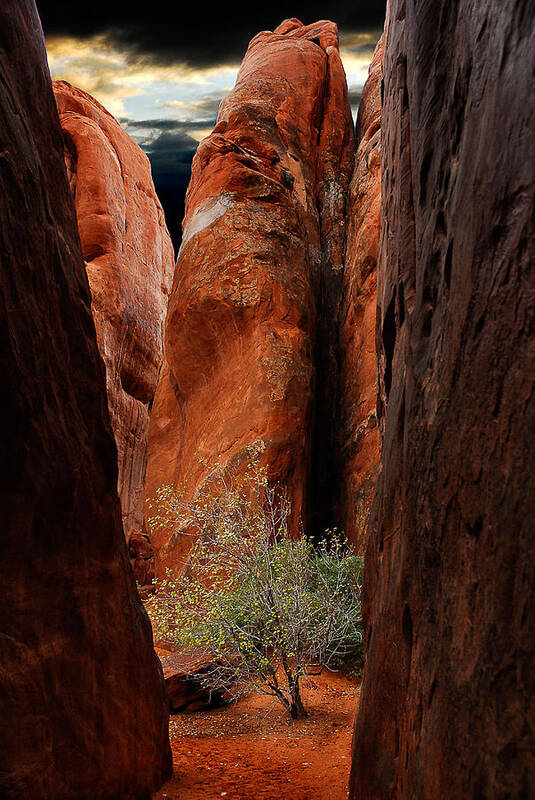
(356, 51)
(129, 85)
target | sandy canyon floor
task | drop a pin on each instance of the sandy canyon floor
(251, 750)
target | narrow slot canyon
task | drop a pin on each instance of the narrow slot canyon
(351, 308)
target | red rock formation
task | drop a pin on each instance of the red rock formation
(263, 238)
(184, 687)
(129, 261)
(357, 424)
(82, 704)
(141, 554)
(446, 705)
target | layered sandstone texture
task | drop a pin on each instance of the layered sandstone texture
(82, 703)
(446, 707)
(263, 246)
(358, 435)
(129, 261)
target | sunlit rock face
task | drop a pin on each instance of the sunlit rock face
(358, 434)
(446, 702)
(83, 712)
(262, 253)
(129, 261)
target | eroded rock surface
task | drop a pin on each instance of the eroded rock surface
(129, 261)
(141, 554)
(183, 683)
(262, 249)
(446, 706)
(83, 712)
(358, 434)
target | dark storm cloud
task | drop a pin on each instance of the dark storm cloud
(362, 50)
(170, 146)
(168, 124)
(168, 30)
(170, 153)
(355, 96)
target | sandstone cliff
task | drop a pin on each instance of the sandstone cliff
(82, 705)
(446, 703)
(356, 425)
(129, 262)
(261, 257)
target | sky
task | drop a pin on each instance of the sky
(163, 74)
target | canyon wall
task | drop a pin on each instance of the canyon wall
(83, 712)
(129, 261)
(260, 263)
(357, 448)
(446, 703)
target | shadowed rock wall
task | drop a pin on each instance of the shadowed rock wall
(129, 261)
(83, 712)
(446, 706)
(262, 253)
(356, 424)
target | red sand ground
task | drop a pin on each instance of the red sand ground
(253, 751)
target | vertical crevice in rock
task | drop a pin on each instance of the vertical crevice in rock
(355, 447)
(335, 160)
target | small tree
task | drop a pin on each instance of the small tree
(263, 610)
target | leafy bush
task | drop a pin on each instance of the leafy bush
(263, 610)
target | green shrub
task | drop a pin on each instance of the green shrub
(263, 610)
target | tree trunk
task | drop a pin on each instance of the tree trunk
(297, 709)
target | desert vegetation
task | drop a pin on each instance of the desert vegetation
(263, 610)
